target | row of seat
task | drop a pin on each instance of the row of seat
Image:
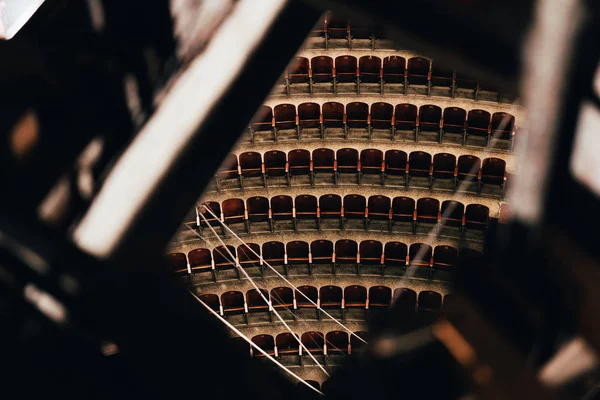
(379, 73)
(286, 344)
(442, 167)
(382, 116)
(428, 262)
(329, 297)
(377, 210)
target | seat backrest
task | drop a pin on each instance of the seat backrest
(381, 113)
(420, 254)
(380, 296)
(297, 250)
(430, 114)
(394, 67)
(429, 300)
(273, 252)
(428, 207)
(379, 204)
(337, 341)
(468, 164)
(493, 167)
(229, 167)
(371, 158)
(395, 162)
(299, 161)
(452, 210)
(454, 117)
(330, 204)
(347, 157)
(323, 158)
(444, 162)
(265, 342)
(282, 207)
(418, 66)
(200, 258)
(309, 291)
(370, 250)
(502, 122)
(321, 250)
(345, 65)
(249, 253)
(395, 251)
(224, 255)
(258, 208)
(232, 300)
(284, 113)
(369, 66)
(306, 204)
(205, 215)
(250, 161)
(299, 67)
(177, 263)
(405, 112)
(346, 250)
(333, 111)
(330, 294)
(309, 112)
(254, 298)
(355, 294)
(287, 343)
(275, 161)
(322, 68)
(478, 121)
(445, 257)
(263, 118)
(211, 300)
(402, 205)
(355, 204)
(419, 161)
(405, 300)
(233, 208)
(477, 216)
(357, 111)
(313, 341)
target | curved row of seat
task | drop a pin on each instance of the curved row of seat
(353, 211)
(393, 164)
(428, 262)
(327, 297)
(382, 116)
(380, 73)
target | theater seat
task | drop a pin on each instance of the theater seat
(403, 213)
(321, 252)
(394, 68)
(200, 261)
(346, 253)
(330, 297)
(370, 69)
(322, 69)
(248, 255)
(371, 163)
(258, 213)
(266, 344)
(355, 208)
(477, 217)
(299, 163)
(336, 342)
(334, 117)
(355, 296)
(418, 71)
(429, 301)
(206, 217)
(419, 258)
(379, 297)
(275, 165)
(396, 165)
(234, 213)
(379, 209)
(309, 117)
(273, 253)
(177, 264)
(371, 254)
(395, 255)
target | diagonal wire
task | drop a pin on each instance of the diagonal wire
(254, 345)
(262, 295)
(285, 279)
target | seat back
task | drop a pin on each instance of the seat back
(212, 301)
(468, 167)
(429, 301)
(419, 254)
(337, 27)
(224, 257)
(337, 342)
(380, 297)
(323, 160)
(371, 252)
(355, 343)
(444, 165)
(403, 209)
(330, 296)
(355, 296)
(418, 71)
(229, 168)
(371, 161)
(357, 114)
(395, 254)
(454, 120)
(333, 114)
(263, 119)
(445, 257)
(502, 125)
(287, 344)
(405, 301)
(266, 343)
(309, 115)
(347, 161)
(330, 206)
(249, 254)
(452, 212)
(177, 264)
(355, 206)
(346, 251)
(255, 301)
(275, 163)
(282, 208)
(477, 217)
(346, 69)
(258, 209)
(396, 162)
(321, 251)
(200, 259)
(381, 115)
(313, 341)
(298, 70)
(299, 162)
(405, 117)
(309, 291)
(478, 123)
(493, 170)
(428, 210)
(251, 164)
(369, 69)
(419, 164)
(234, 211)
(232, 301)
(394, 68)
(322, 69)
(206, 217)
(441, 76)
(285, 116)
(379, 207)
(306, 206)
(297, 252)
(429, 118)
(273, 253)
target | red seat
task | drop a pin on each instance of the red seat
(330, 297)
(273, 253)
(224, 257)
(445, 258)
(266, 343)
(346, 69)
(337, 342)
(371, 161)
(355, 206)
(419, 255)
(206, 217)
(382, 115)
(313, 342)
(229, 168)
(355, 296)
(256, 300)
(493, 171)
(200, 260)
(287, 344)
(233, 302)
(321, 252)
(309, 115)
(430, 117)
(299, 70)
(444, 165)
(419, 164)
(330, 206)
(428, 210)
(452, 213)
(297, 252)
(357, 115)
(306, 207)
(395, 254)
(285, 116)
(394, 68)
(251, 164)
(249, 255)
(263, 119)
(323, 160)
(477, 217)
(379, 297)
(405, 117)
(371, 252)
(275, 163)
(441, 76)
(346, 251)
(333, 115)
(234, 211)
(502, 125)
(478, 123)
(322, 69)
(454, 120)
(379, 208)
(468, 168)
(177, 264)
(370, 70)
(403, 209)
(418, 71)
(347, 161)
(310, 292)
(299, 162)
(258, 209)
(396, 163)
(212, 301)
(282, 208)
